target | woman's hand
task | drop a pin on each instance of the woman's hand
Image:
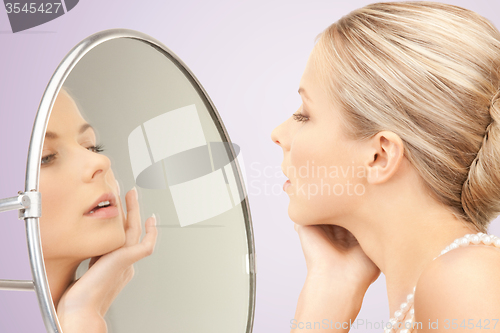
(84, 304)
(338, 275)
(334, 251)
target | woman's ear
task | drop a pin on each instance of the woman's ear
(386, 152)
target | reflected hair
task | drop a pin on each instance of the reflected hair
(69, 91)
(429, 72)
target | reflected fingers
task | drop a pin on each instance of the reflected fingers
(133, 232)
(146, 246)
(149, 241)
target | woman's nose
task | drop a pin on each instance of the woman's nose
(96, 165)
(278, 135)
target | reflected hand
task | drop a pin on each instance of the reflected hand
(334, 252)
(83, 305)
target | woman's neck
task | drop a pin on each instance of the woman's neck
(60, 274)
(408, 250)
(401, 228)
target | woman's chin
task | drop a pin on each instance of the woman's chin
(304, 218)
(123, 240)
(297, 217)
(120, 241)
(292, 214)
(111, 245)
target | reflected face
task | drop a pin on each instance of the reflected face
(82, 215)
(325, 172)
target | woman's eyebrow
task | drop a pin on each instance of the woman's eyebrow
(51, 135)
(83, 128)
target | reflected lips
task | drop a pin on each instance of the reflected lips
(104, 207)
(286, 184)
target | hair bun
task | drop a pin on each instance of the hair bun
(481, 190)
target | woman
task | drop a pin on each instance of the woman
(83, 218)
(400, 120)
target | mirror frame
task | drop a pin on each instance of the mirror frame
(31, 214)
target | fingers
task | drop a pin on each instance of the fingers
(149, 241)
(109, 273)
(146, 246)
(133, 232)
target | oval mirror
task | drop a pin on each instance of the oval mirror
(162, 135)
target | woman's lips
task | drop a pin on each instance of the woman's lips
(286, 185)
(103, 207)
(104, 213)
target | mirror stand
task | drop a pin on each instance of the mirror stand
(29, 205)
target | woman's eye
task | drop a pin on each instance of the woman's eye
(47, 159)
(96, 149)
(300, 117)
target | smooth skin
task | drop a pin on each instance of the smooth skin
(390, 225)
(84, 304)
(73, 175)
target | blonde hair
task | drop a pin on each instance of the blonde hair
(429, 72)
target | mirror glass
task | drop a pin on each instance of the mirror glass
(161, 135)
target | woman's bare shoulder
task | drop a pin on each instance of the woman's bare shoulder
(462, 285)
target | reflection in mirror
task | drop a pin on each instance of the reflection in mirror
(83, 218)
(160, 135)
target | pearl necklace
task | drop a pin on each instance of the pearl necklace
(406, 308)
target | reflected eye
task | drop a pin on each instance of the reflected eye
(50, 158)
(300, 117)
(97, 148)
(47, 159)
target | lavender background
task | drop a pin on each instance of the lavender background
(249, 56)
